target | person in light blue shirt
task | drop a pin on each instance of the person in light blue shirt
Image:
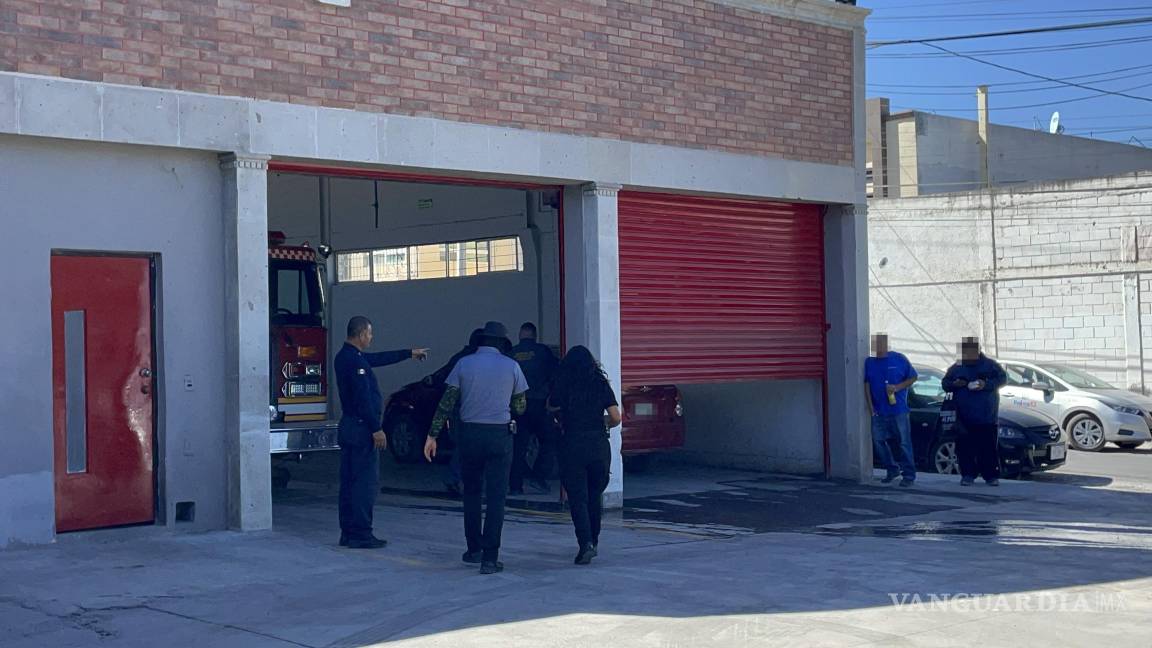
(489, 388)
(887, 376)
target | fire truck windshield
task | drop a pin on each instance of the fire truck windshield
(294, 293)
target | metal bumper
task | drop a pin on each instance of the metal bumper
(291, 438)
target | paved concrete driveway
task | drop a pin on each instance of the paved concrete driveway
(699, 558)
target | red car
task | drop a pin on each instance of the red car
(653, 421)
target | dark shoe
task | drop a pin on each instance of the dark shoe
(993, 482)
(373, 543)
(889, 479)
(906, 483)
(587, 553)
(540, 486)
(491, 567)
(967, 481)
(473, 557)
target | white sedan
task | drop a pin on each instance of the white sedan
(1091, 411)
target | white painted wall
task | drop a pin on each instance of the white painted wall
(1055, 291)
(772, 425)
(103, 197)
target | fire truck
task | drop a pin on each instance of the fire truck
(298, 350)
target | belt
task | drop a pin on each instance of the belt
(486, 426)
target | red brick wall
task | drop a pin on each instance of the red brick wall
(680, 72)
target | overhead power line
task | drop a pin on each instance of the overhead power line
(1013, 51)
(970, 89)
(1015, 32)
(1008, 83)
(1041, 76)
(1015, 14)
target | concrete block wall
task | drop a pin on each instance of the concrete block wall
(752, 76)
(1077, 321)
(1069, 281)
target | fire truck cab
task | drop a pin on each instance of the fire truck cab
(298, 350)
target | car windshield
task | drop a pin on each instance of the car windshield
(1076, 378)
(929, 385)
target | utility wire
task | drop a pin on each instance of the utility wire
(1012, 51)
(1030, 14)
(1041, 76)
(1008, 83)
(1015, 32)
(970, 91)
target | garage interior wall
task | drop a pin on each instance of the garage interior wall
(109, 198)
(436, 313)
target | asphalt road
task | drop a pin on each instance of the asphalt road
(1109, 463)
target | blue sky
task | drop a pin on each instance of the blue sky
(919, 77)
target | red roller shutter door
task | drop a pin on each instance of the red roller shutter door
(718, 290)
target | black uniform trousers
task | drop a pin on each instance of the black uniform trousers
(535, 422)
(978, 450)
(485, 458)
(585, 462)
(359, 480)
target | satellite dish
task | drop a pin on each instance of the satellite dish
(1054, 126)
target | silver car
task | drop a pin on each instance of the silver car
(1091, 411)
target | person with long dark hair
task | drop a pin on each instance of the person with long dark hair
(587, 408)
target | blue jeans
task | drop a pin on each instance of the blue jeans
(894, 431)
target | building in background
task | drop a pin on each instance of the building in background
(914, 153)
(658, 149)
(1051, 271)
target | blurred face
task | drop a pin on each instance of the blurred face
(364, 340)
(879, 345)
(527, 334)
(970, 350)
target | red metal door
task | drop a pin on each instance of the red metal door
(719, 290)
(102, 391)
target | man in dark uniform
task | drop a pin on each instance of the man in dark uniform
(539, 366)
(360, 434)
(975, 384)
(489, 388)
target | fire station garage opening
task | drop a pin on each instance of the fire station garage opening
(426, 263)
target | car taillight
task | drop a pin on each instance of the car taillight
(313, 370)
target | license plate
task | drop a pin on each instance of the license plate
(1057, 452)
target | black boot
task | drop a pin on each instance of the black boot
(587, 553)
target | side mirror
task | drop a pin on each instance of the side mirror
(1043, 386)
(272, 413)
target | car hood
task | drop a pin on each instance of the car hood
(1024, 417)
(1122, 397)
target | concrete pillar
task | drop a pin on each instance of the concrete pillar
(846, 295)
(1133, 335)
(592, 292)
(849, 450)
(989, 331)
(246, 319)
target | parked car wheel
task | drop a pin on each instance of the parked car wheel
(1131, 445)
(404, 440)
(638, 463)
(1086, 433)
(944, 459)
